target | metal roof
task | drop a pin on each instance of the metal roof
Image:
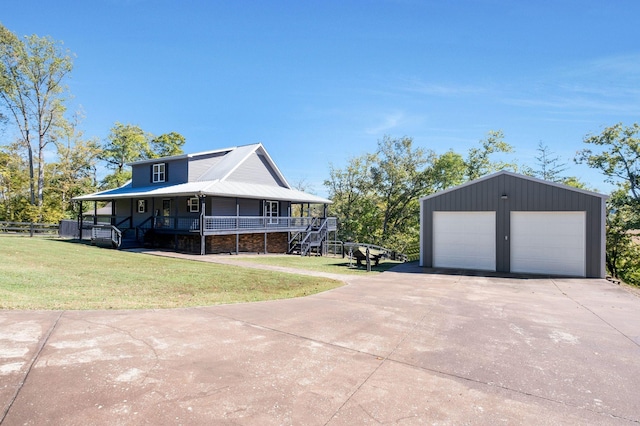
(214, 182)
(525, 177)
(215, 188)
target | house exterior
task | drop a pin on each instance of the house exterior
(222, 201)
(506, 222)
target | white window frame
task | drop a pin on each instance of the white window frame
(159, 172)
(193, 205)
(272, 213)
(142, 206)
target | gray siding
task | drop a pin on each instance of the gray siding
(250, 207)
(177, 172)
(523, 195)
(223, 206)
(226, 206)
(256, 169)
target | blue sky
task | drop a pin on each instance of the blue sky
(318, 82)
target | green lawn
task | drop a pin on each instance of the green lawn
(335, 265)
(39, 273)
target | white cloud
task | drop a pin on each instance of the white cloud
(386, 123)
(439, 89)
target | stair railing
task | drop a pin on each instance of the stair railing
(314, 238)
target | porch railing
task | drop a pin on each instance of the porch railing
(109, 234)
(258, 223)
(214, 224)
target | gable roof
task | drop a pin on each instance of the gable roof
(215, 180)
(519, 176)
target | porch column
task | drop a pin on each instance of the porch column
(113, 212)
(325, 211)
(95, 212)
(237, 227)
(80, 220)
(131, 213)
(203, 245)
(153, 213)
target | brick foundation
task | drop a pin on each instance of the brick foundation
(248, 243)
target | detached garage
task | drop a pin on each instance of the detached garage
(507, 222)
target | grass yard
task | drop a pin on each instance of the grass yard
(334, 265)
(39, 273)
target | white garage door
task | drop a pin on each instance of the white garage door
(465, 240)
(548, 243)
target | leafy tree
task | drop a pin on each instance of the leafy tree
(399, 178)
(351, 189)
(619, 159)
(32, 74)
(479, 161)
(75, 171)
(376, 196)
(127, 143)
(167, 144)
(622, 256)
(14, 185)
(446, 170)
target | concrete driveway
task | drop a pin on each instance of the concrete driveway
(402, 347)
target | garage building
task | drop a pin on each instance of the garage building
(507, 222)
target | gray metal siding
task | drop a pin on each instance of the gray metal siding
(226, 206)
(223, 206)
(177, 172)
(523, 195)
(250, 207)
(255, 169)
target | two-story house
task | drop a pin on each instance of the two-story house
(224, 201)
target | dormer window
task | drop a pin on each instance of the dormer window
(158, 173)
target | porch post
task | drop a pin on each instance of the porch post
(80, 220)
(113, 212)
(325, 211)
(265, 242)
(153, 212)
(237, 227)
(131, 213)
(203, 246)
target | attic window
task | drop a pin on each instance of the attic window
(158, 173)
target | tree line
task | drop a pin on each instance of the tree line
(33, 95)
(375, 195)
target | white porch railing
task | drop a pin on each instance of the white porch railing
(233, 224)
(255, 223)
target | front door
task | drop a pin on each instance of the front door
(271, 211)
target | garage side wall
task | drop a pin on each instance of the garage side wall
(521, 195)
